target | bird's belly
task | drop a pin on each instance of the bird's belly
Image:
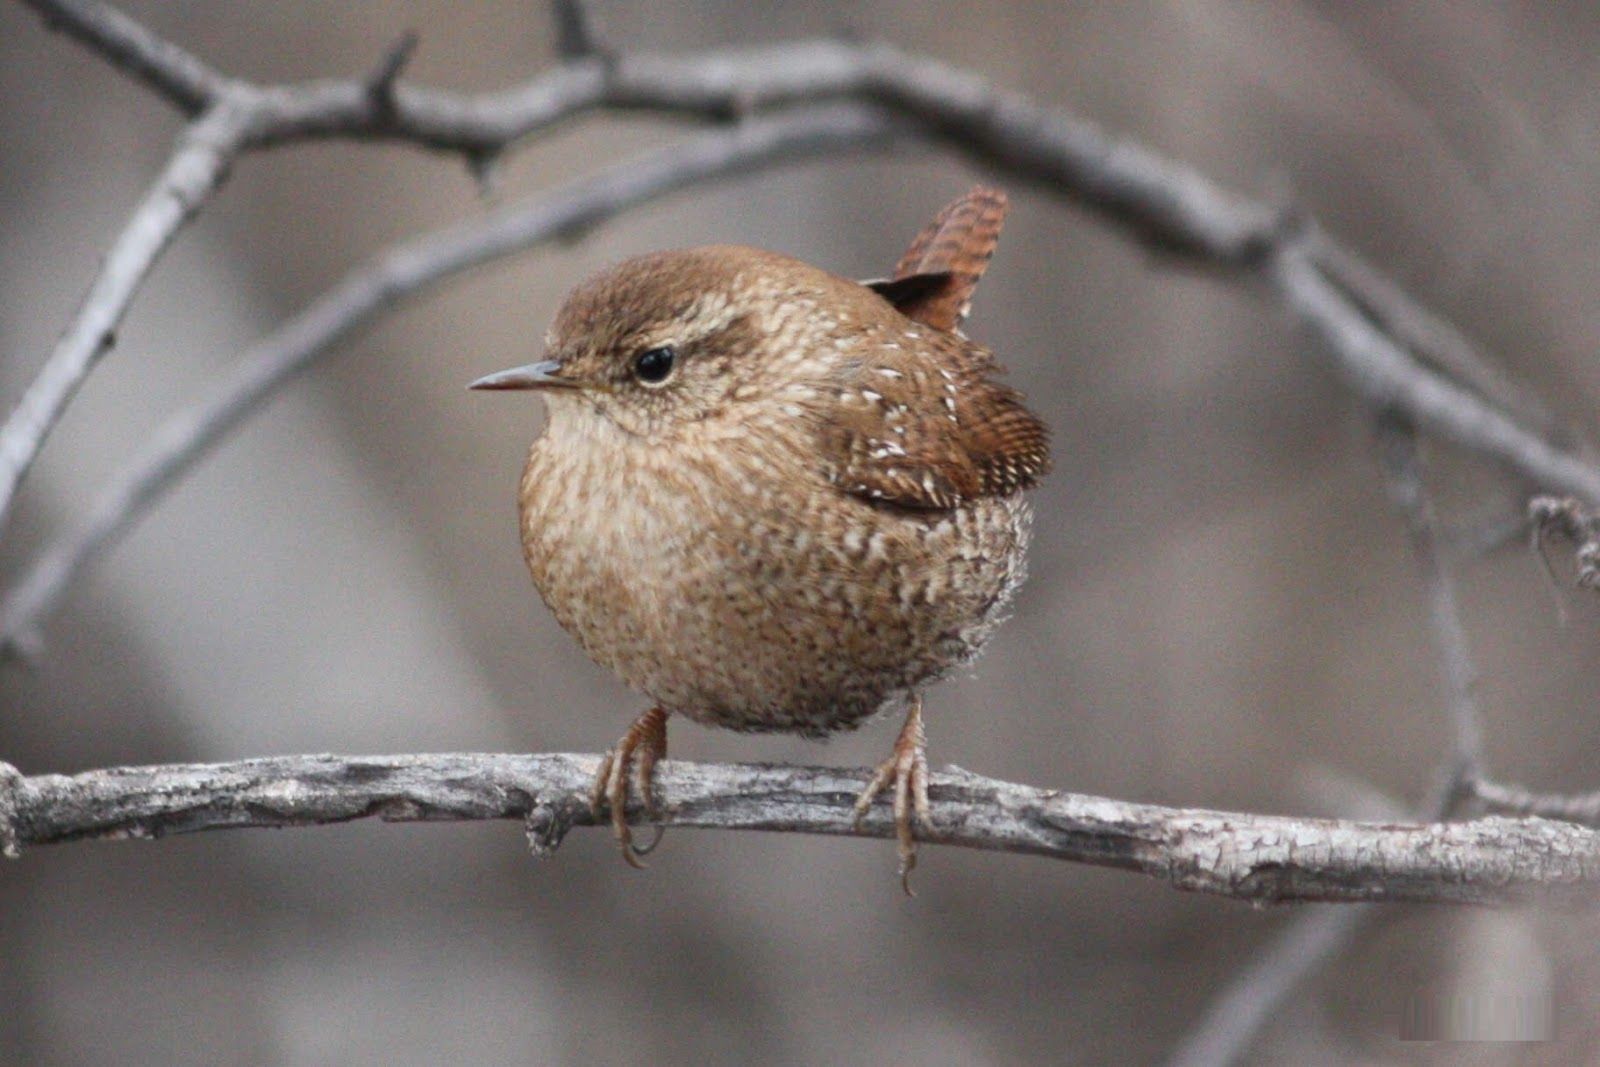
(774, 611)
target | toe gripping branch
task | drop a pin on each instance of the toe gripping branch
(906, 770)
(633, 760)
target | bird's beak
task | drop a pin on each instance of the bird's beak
(545, 374)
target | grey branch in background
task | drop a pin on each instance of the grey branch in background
(191, 175)
(1503, 799)
(1464, 766)
(1246, 1004)
(403, 271)
(1391, 349)
(1259, 858)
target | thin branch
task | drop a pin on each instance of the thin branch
(190, 176)
(182, 78)
(1293, 954)
(576, 37)
(1502, 799)
(1430, 338)
(1159, 201)
(1258, 858)
(1383, 372)
(1403, 469)
(384, 77)
(395, 275)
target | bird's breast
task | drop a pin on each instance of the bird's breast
(730, 583)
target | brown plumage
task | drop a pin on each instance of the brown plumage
(957, 245)
(771, 500)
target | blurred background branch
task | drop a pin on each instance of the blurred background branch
(1237, 1013)
(803, 99)
(1391, 350)
(392, 277)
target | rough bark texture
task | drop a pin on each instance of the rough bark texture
(1260, 858)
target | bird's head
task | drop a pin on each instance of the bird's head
(669, 339)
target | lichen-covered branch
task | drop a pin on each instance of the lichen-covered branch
(1260, 858)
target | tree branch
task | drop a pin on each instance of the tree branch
(181, 77)
(1503, 799)
(1464, 764)
(204, 152)
(1258, 858)
(1294, 953)
(394, 275)
(1158, 201)
(1381, 370)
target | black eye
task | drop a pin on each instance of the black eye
(654, 365)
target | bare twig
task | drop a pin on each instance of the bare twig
(575, 32)
(1159, 201)
(179, 76)
(394, 275)
(381, 82)
(1380, 370)
(1502, 799)
(1259, 858)
(191, 175)
(1430, 338)
(1403, 467)
(1292, 955)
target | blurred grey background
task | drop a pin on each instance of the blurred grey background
(1223, 609)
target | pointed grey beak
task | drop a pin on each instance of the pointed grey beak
(541, 375)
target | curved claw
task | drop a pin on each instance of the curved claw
(638, 751)
(907, 770)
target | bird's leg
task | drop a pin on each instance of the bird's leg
(907, 770)
(637, 751)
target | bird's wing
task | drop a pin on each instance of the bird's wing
(929, 427)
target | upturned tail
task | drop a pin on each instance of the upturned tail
(958, 244)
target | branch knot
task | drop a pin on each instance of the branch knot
(380, 84)
(576, 37)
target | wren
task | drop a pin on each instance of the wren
(774, 499)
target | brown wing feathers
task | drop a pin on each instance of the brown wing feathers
(925, 425)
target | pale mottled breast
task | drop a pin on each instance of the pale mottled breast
(744, 595)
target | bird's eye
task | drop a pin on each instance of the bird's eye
(654, 365)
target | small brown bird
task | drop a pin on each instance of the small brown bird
(774, 499)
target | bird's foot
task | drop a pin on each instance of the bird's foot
(637, 751)
(907, 771)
